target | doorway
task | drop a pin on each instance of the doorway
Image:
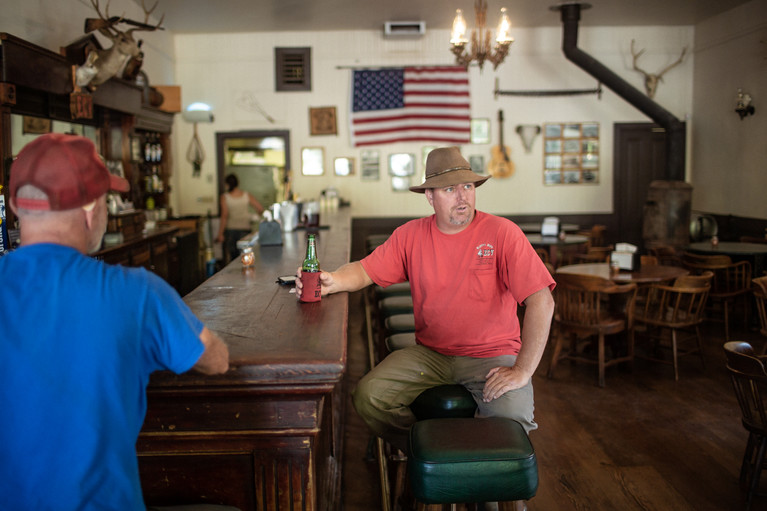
(639, 159)
(259, 159)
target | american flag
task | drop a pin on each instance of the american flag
(410, 104)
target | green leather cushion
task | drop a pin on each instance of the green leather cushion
(399, 323)
(398, 341)
(392, 305)
(471, 460)
(398, 289)
(443, 402)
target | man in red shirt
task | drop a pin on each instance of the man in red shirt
(468, 272)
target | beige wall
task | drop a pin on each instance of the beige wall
(220, 68)
(730, 156)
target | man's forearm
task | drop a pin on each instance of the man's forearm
(539, 309)
(349, 277)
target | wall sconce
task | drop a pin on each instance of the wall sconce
(480, 38)
(744, 106)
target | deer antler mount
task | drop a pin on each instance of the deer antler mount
(651, 79)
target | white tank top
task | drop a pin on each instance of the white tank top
(239, 215)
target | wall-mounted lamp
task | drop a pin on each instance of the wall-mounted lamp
(480, 38)
(744, 106)
(194, 113)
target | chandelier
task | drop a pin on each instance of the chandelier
(480, 38)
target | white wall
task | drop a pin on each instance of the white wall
(219, 68)
(730, 154)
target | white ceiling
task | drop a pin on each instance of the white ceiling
(196, 16)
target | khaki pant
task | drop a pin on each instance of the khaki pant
(383, 395)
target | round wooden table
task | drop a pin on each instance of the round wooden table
(647, 274)
(755, 253)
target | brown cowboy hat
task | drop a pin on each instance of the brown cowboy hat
(444, 167)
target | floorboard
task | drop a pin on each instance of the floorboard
(644, 442)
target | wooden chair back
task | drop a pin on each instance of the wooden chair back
(582, 301)
(678, 306)
(698, 263)
(759, 288)
(749, 379)
(648, 260)
(666, 254)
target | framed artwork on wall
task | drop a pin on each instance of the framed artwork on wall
(343, 166)
(313, 161)
(369, 167)
(322, 121)
(480, 131)
(477, 162)
(571, 153)
(401, 164)
(400, 183)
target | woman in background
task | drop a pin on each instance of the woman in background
(235, 216)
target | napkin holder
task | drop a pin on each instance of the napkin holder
(269, 233)
(550, 226)
(625, 254)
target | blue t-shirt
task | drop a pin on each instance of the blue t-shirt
(78, 341)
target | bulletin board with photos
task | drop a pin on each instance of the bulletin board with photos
(571, 153)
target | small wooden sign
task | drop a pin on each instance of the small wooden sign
(81, 105)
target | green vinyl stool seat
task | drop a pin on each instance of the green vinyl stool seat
(470, 461)
(399, 323)
(398, 341)
(444, 402)
(392, 305)
(398, 289)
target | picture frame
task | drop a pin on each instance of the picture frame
(477, 162)
(343, 166)
(312, 161)
(36, 125)
(480, 131)
(370, 165)
(571, 153)
(401, 164)
(322, 121)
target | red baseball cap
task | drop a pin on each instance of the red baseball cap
(67, 168)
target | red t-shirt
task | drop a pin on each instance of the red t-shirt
(465, 286)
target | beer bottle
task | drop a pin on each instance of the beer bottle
(311, 263)
(310, 273)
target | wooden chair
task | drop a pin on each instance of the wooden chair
(593, 255)
(645, 260)
(759, 288)
(731, 282)
(749, 379)
(675, 309)
(584, 310)
(666, 254)
(543, 254)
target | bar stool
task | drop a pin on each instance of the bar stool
(464, 460)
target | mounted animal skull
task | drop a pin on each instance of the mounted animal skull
(651, 80)
(111, 61)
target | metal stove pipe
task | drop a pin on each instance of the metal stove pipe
(675, 129)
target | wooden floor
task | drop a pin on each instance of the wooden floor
(644, 442)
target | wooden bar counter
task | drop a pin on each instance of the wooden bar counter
(267, 435)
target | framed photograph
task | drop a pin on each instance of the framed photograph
(480, 131)
(369, 168)
(477, 162)
(402, 164)
(313, 161)
(343, 166)
(36, 125)
(322, 121)
(571, 153)
(400, 183)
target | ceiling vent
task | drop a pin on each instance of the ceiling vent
(400, 29)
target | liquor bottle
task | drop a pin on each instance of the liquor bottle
(310, 272)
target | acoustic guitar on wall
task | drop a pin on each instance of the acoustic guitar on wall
(500, 162)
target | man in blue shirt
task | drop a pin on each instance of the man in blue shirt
(79, 340)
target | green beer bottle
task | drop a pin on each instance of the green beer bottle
(310, 273)
(311, 263)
